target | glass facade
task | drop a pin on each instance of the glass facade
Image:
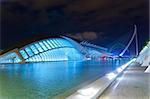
(34, 49)
(38, 47)
(53, 49)
(29, 51)
(46, 44)
(11, 57)
(43, 46)
(24, 54)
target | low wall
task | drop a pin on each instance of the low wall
(95, 89)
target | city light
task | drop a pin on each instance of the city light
(87, 91)
(119, 70)
(110, 76)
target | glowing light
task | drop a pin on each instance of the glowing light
(119, 70)
(87, 91)
(123, 66)
(110, 76)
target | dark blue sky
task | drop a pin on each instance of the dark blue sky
(98, 21)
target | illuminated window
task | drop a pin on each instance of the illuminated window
(60, 42)
(43, 46)
(57, 40)
(24, 54)
(39, 47)
(52, 43)
(46, 44)
(34, 49)
(29, 51)
(54, 40)
(55, 43)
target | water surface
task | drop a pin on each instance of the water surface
(46, 80)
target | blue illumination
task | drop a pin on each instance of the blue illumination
(52, 43)
(53, 49)
(59, 43)
(39, 47)
(34, 49)
(24, 54)
(55, 43)
(10, 57)
(29, 51)
(43, 46)
(46, 44)
(49, 44)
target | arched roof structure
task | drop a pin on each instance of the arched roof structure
(51, 49)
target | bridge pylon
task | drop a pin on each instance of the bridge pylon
(129, 43)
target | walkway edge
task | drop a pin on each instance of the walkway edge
(96, 88)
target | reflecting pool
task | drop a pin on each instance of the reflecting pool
(47, 80)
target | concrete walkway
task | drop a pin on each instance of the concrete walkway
(132, 84)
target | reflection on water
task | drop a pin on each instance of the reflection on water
(48, 79)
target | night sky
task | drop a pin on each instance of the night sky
(101, 22)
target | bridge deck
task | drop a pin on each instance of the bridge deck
(132, 84)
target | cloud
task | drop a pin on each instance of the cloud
(89, 35)
(85, 36)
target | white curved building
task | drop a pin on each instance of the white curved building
(52, 49)
(144, 56)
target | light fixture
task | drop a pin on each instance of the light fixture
(110, 76)
(87, 91)
(119, 70)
